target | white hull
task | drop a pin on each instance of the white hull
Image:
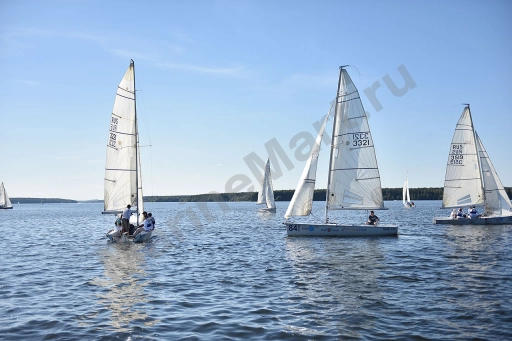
(140, 238)
(343, 230)
(497, 220)
(268, 210)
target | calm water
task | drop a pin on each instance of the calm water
(228, 273)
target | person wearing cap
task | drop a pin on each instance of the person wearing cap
(126, 219)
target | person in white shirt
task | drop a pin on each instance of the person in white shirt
(126, 219)
(146, 226)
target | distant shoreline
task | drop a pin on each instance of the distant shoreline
(423, 193)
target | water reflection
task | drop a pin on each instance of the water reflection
(337, 277)
(124, 283)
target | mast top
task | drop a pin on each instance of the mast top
(343, 66)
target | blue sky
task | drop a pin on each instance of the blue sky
(219, 79)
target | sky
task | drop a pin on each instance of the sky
(219, 80)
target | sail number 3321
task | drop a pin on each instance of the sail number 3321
(360, 139)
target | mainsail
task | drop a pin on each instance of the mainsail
(5, 202)
(123, 183)
(354, 180)
(302, 200)
(266, 195)
(406, 198)
(496, 199)
(463, 183)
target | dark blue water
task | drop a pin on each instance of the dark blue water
(225, 272)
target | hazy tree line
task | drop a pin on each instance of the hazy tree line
(425, 193)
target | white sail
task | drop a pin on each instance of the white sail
(262, 194)
(5, 202)
(354, 180)
(406, 198)
(122, 158)
(269, 197)
(496, 199)
(266, 194)
(463, 183)
(404, 193)
(302, 200)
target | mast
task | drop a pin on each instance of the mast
(477, 155)
(132, 63)
(333, 137)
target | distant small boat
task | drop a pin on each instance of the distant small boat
(5, 202)
(471, 180)
(406, 198)
(266, 194)
(123, 178)
(353, 178)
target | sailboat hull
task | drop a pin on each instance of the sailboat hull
(498, 220)
(10, 208)
(343, 230)
(140, 238)
(268, 210)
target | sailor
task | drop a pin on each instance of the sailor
(146, 226)
(453, 215)
(150, 217)
(473, 214)
(372, 219)
(118, 228)
(126, 219)
(460, 214)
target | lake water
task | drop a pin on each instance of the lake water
(226, 272)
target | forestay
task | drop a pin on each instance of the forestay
(123, 161)
(302, 200)
(463, 183)
(496, 199)
(354, 180)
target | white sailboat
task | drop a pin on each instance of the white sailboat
(353, 179)
(266, 194)
(471, 179)
(123, 179)
(5, 202)
(406, 198)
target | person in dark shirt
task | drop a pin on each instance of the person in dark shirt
(372, 219)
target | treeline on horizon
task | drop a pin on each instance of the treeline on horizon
(425, 193)
(42, 201)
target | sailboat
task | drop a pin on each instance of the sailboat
(406, 198)
(266, 194)
(471, 179)
(353, 178)
(123, 179)
(5, 202)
